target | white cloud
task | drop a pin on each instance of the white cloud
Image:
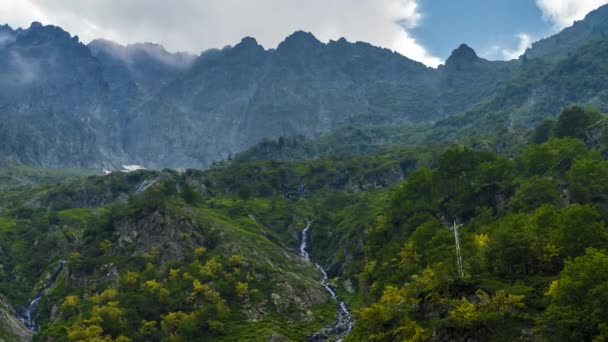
(525, 41)
(498, 52)
(563, 13)
(20, 13)
(196, 25)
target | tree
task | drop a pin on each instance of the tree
(553, 158)
(574, 121)
(105, 246)
(189, 193)
(579, 300)
(588, 179)
(542, 132)
(533, 193)
(581, 227)
(463, 312)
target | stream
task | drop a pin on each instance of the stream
(345, 320)
(29, 313)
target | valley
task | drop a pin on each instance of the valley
(316, 191)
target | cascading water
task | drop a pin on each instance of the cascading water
(28, 315)
(345, 321)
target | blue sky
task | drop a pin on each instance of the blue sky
(424, 30)
(488, 26)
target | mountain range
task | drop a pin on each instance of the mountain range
(102, 105)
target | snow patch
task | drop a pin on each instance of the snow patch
(126, 169)
(131, 168)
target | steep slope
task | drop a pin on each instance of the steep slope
(138, 71)
(11, 328)
(467, 76)
(233, 98)
(103, 105)
(535, 92)
(593, 27)
(53, 101)
(99, 264)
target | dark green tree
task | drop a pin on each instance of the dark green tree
(573, 122)
(579, 301)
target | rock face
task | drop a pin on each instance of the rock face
(137, 72)
(53, 101)
(164, 233)
(596, 137)
(11, 328)
(63, 103)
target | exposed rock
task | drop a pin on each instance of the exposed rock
(303, 298)
(12, 326)
(276, 337)
(348, 286)
(161, 233)
(596, 137)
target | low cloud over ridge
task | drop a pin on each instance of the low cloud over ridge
(196, 25)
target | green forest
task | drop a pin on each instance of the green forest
(497, 241)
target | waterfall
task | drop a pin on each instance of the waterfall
(345, 320)
(28, 315)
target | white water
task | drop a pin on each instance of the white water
(27, 317)
(345, 321)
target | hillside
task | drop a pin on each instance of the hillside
(318, 191)
(213, 254)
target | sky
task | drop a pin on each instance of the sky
(424, 30)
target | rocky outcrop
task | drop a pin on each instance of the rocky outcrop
(596, 137)
(159, 232)
(12, 328)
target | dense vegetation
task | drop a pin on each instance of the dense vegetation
(448, 204)
(210, 254)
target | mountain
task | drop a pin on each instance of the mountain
(535, 92)
(248, 93)
(303, 87)
(371, 198)
(138, 71)
(593, 27)
(54, 101)
(104, 105)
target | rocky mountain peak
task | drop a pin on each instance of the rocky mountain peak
(300, 46)
(38, 34)
(7, 35)
(464, 54)
(299, 40)
(248, 43)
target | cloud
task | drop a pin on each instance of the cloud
(6, 38)
(130, 53)
(21, 13)
(563, 13)
(497, 52)
(525, 41)
(196, 25)
(19, 70)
